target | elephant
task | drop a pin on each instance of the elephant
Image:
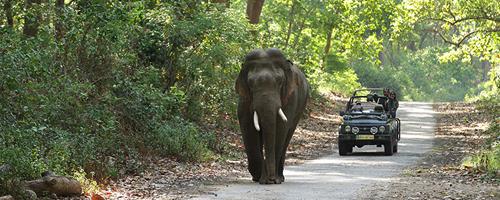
(273, 94)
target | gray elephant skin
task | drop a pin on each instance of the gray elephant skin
(273, 95)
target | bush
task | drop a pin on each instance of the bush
(87, 101)
(344, 82)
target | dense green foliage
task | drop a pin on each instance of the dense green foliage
(121, 84)
(461, 35)
(105, 85)
(469, 27)
(419, 76)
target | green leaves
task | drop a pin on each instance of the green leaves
(469, 26)
(96, 93)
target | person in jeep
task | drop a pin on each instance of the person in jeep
(385, 102)
(395, 104)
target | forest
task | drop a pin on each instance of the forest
(96, 87)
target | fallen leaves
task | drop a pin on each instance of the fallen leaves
(442, 174)
(166, 178)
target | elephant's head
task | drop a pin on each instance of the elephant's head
(266, 80)
(257, 65)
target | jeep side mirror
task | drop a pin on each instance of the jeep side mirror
(342, 113)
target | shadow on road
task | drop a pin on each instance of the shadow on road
(339, 177)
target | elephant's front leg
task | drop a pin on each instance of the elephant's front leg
(253, 148)
(252, 139)
(282, 154)
(264, 179)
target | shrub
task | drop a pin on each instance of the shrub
(84, 102)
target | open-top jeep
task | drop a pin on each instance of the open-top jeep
(369, 120)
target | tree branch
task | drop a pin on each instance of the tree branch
(457, 44)
(303, 22)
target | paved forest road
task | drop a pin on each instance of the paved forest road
(336, 177)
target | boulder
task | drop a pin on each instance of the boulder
(53, 184)
(8, 197)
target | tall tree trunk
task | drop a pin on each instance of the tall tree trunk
(292, 16)
(7, 8)
(303, 24)
(254, 8)
(485, 66)
(32, 18)
(327, 47)
(328, 41)
(59, 15)
(390, 55)
(381, 57)
(328, 44)
(412, 47)
(422, 39)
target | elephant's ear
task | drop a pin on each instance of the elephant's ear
(291, 83)
(241, 86)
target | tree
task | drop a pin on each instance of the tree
(7, 7)
(32, 18)
(254, 9)
(58, 24)
(470, 27)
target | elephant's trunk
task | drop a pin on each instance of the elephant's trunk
(269, 122)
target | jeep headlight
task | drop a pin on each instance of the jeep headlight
(373, 130)
(355, 130)
(347, 129)
(381, 129)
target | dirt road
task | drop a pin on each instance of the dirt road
(336, 177)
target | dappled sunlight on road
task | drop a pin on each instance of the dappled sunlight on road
(339, 177)
(415, 135)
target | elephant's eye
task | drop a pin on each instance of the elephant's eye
(281, 80)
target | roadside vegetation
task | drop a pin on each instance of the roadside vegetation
(487, 159)
(101, 89)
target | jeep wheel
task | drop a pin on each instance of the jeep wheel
(395, 148)
(388, 149)
(349, 149)
(342, 149)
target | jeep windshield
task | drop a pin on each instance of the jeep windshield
(367, 103)
(358, 108)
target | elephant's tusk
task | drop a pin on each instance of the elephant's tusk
(282, 115)
(256, 121)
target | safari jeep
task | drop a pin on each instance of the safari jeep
(366, 122)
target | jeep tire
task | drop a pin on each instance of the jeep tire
(342, 149)
(388, 148)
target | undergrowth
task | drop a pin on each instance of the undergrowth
(488, 158)
(95, 104)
